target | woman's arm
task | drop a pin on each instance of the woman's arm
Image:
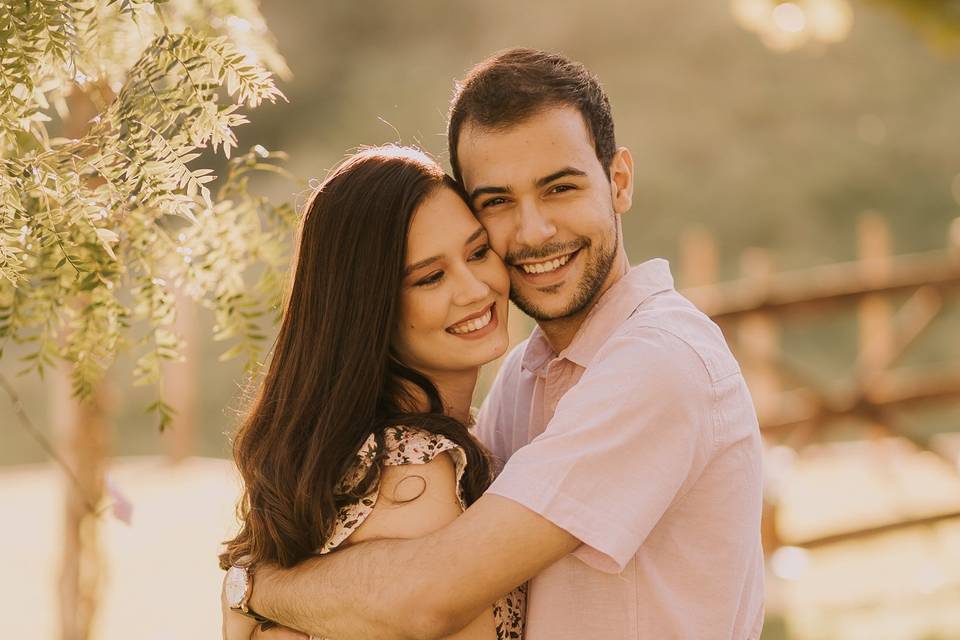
(414, 501)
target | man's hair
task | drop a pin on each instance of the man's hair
(513, 85)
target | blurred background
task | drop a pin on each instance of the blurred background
(799, 165)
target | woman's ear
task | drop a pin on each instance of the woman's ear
(621, 180)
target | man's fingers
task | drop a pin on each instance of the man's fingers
(278, 633)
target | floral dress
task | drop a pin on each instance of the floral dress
(407, 445)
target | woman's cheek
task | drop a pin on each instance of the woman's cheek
(427, 313)
(498, 278)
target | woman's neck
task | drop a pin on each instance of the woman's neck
(455, 389)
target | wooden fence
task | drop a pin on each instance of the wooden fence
(896, 300)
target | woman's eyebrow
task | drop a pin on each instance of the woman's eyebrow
(422, 263)
(476, 234)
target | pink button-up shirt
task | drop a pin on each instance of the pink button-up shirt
(641, 440)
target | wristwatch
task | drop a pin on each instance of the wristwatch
(239, 586)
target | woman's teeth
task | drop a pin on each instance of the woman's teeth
(473, 325)
(546, 267)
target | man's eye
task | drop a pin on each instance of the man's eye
(480, 253)
(433, 278)
(492, 202)
(560, 188)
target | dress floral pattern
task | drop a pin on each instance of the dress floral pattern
(407, 445)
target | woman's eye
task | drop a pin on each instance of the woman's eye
(433, 278)
(480, 253)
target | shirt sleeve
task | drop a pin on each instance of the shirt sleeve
(623, 444)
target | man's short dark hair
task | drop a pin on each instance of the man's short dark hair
(513, 85)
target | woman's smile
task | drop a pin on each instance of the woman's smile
(476, 325)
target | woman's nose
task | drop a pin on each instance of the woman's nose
(470, 289)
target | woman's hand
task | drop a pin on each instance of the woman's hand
(278, 633)
(236, 626)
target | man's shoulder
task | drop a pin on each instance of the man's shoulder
(669, 324)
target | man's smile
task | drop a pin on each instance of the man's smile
(547, 272)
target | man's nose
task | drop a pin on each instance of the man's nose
(533, 227)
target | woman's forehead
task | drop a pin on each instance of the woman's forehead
(442, 223)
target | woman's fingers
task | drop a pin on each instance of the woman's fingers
(278, 633)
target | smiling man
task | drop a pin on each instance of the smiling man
(630, 489)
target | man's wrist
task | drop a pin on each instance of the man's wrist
(256, 601)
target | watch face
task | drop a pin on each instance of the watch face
(236, 586)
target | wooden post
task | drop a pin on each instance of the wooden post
(875, 314)
(954, 239)
(698, 258)
(876, 328)
(181, 383)
(759, 338)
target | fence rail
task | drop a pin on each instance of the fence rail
(896, 299)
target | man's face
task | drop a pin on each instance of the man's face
(548, 206)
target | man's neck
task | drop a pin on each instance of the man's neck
(561, 332)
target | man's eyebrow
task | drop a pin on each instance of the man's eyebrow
(556, 175)
(419, 265)
(479, 191)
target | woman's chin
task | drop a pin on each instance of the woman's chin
(475, 355)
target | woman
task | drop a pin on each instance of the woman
(359, 430)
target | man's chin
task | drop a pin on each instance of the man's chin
(542, 308)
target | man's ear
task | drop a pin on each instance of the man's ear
(621, 180)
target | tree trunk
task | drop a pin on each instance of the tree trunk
(83, 434)
(83, 431)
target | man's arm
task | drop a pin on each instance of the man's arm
(420, 589)
(638, 423)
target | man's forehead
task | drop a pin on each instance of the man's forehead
(531, 148)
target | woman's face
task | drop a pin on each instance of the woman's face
(453, 300)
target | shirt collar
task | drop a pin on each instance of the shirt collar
(613, 308)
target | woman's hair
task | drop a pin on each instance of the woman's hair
(333, 378)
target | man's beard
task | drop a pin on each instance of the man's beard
(594, 275)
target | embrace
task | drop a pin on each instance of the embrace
(610, 485)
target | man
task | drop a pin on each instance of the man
(630, 497)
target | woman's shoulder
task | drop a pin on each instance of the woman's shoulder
(411, 445)
(401, 445)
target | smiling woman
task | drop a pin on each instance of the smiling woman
(396, 302)
(453, 304)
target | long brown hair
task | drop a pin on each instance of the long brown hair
(333, 378)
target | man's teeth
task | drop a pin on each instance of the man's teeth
(474, 325)
(546, 267)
